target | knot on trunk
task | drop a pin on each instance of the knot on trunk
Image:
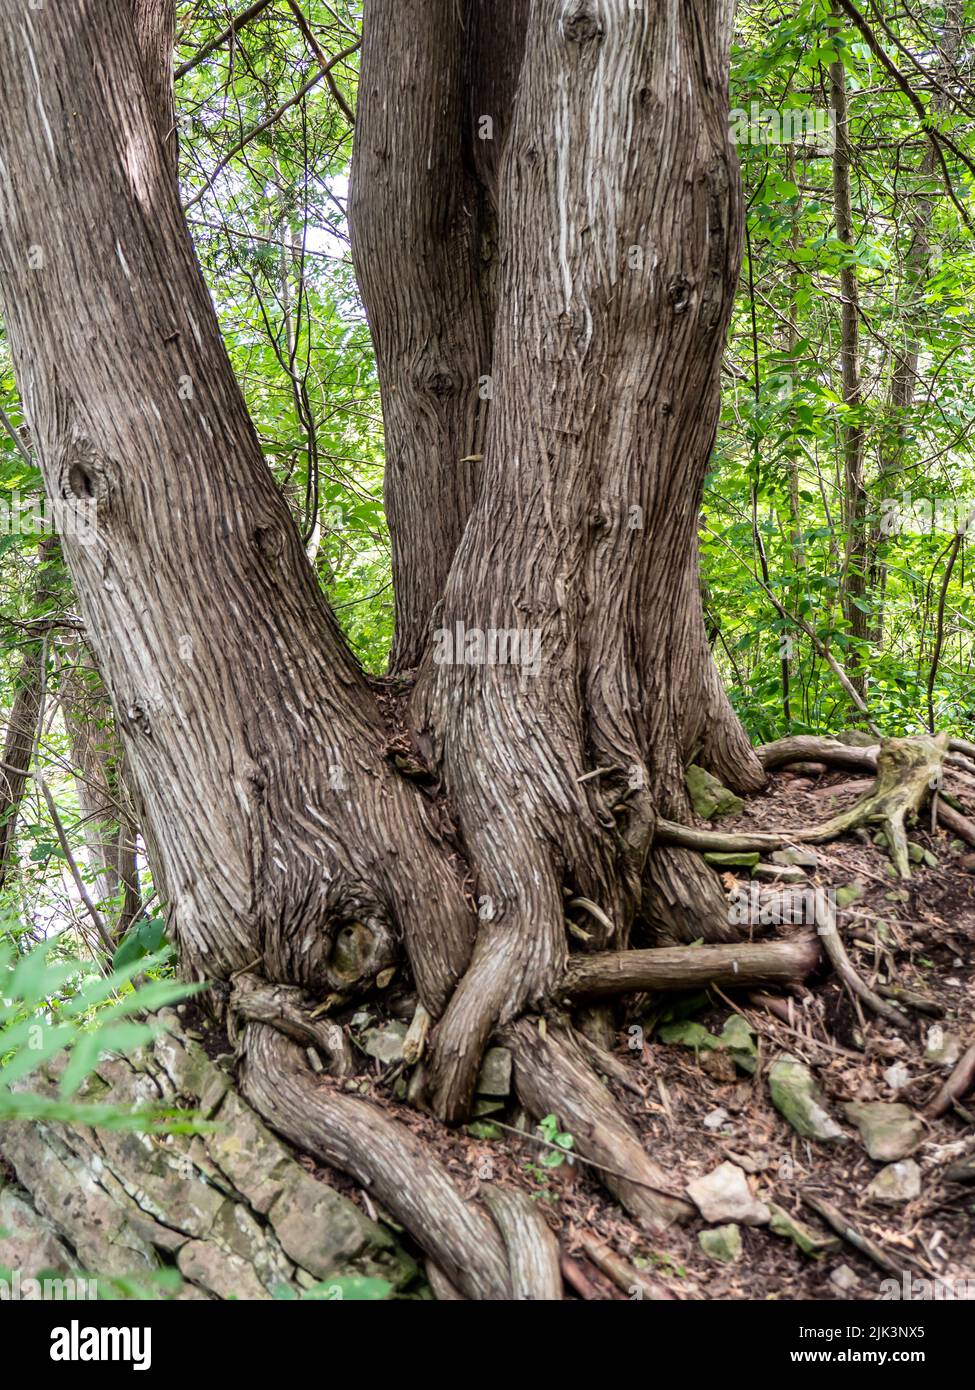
(580, 23)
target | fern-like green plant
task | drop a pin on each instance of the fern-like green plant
(57, 1013)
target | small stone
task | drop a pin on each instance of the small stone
(957, 846)
(844, 1279)
(897, 1076)
(848, 894)
(721, 860)
(898, 1182)
(795, 854)
(889, 1130)
(930, 858)
(780, 873)
(808, 1240)
(942, 1048)
(915, 852)
(717, 1119)
(384, 1043)
(724, 1195)
(723, 1243)
(709, 797)
(495, 1077)
(797, 1097)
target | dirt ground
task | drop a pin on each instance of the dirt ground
(696, 1110)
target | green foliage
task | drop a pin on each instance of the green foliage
(144, 939)
(779, 445)
(58, 1013)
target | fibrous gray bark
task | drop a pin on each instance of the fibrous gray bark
(585, 266)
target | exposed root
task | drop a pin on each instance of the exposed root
(749, 965)
(961, 1080)
(908, 770)
(813, 748)
(385, 1157)
(533, 1248)
(954, 822)
(291, 1011)
(443, 1289)
(835, 1219)
(552, 1076)
(633, 1282)
(841, 963)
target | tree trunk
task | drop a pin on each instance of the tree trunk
(435, 94)
(571, 638)
(854, 484)
(294, 857)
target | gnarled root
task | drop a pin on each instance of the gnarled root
(533, 1248)
(841, 963)
(385, 1157)
(552, 1076)
(908, 770)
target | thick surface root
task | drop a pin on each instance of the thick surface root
(665, 969)
(385, 1157)
(552, 1076)
(908, 771)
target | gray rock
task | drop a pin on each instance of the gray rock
(230, 1207)
(28, 1241)
(385, 1043)
(898, 1182)
(802, 855)
(897, 1076)
(724, 1195)
(942, 1048)
(495, 1075)
(709, 797)
(798, 1099)
(723, 1244)
(844, 1279)
(889, 1130)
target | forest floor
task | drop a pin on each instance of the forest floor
(697, 1109)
